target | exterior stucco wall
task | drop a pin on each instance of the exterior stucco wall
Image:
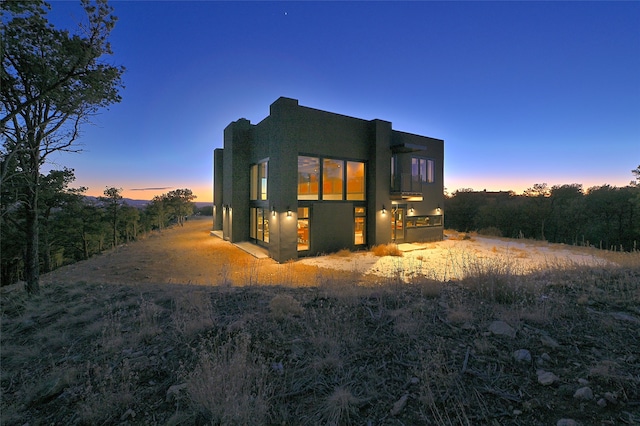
(379, 184)
(330, 231)
(237, 142)
(218, 180)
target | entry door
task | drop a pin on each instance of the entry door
(397, 224)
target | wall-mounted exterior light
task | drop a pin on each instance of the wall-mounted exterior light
(384, 210)
(411, 209)
(438, 209)
(288, 211)
(273, 211)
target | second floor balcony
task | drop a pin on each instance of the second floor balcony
(407, 187)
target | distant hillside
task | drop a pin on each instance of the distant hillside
(142, 203)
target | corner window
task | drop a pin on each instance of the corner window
(259, 177)
(308, 178)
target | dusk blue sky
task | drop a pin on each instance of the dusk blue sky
(521, 92)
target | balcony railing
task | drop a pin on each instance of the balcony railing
(406, 187)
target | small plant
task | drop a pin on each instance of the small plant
(340, 406)
(229, 382)
(386, 250)
(225, 275)
(343, 253)
(283, 306)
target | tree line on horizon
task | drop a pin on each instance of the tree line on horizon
(605, 217)
(74, 227)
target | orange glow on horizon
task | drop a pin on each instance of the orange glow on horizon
(519, 185)
(203, 193)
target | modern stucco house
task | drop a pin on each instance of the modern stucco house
(303, 182)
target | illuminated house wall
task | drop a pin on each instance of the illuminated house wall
(304, 182)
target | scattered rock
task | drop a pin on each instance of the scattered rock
(583, 382)
(399, 405)
(522, 355)
(584, 393)
(278, 368)
(49, 390)
(546, 378)
(549, 341)
(501, 328)
(174, 392)
(602, 402)
(543, 359)
(611, 397)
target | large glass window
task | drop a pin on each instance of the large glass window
(303, 228)
(258, 185)
(431, 166)
(360, 235)
(308, 178)
(422, 170)
(329, 179)
(253, 228)
(355, 180)
(424, 221)
(394, 163)
(415, 169)
(259, 223)
(332, 179)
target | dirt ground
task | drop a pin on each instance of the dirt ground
(190, 255)
(459, 255)
(178, 255)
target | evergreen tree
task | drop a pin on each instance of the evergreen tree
(51, 83)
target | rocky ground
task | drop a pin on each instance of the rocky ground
(161, 332)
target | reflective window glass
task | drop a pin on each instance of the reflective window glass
(332, 179)
(308, 178)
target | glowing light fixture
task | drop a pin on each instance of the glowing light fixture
(411, 209)
(273, 211)
(288, 211)
(438, 208)
(384, 210)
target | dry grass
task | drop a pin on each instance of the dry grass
(458, 236)
(386, 250)
(284, 305)
(310, 346)
(229, 383)
(343, 253)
